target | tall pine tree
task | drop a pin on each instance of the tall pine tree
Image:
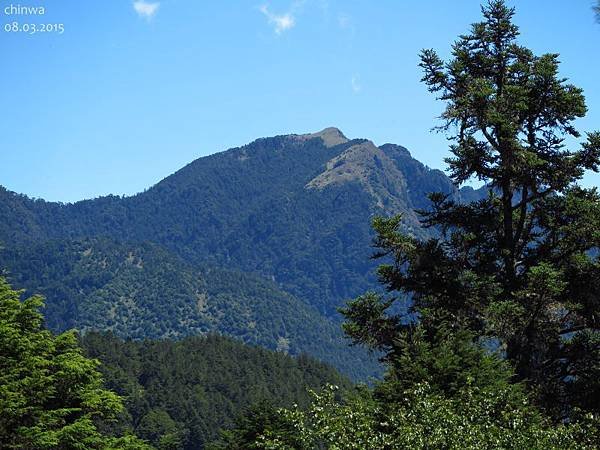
(519, 268)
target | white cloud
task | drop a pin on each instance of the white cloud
(344, 21)
(280, 22)
(145, 9)
(355, 82)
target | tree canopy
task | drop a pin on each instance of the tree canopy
(474, 419)
(51, 396)
(518, 269)
(500, 345)
(178, 394)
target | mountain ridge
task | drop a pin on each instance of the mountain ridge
(201, 208)
(293, 209)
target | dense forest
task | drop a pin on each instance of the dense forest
(292, 210)
(500, 347)
(483, 306)
(143, 291)
(172, 394)
(51, 396)
(270, 208)
(179, 394)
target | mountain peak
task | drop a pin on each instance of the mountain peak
(331, 136)
(370, 166)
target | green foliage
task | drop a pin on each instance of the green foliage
(158, 427)
(249, 209)
(447, 362)
(423, 419)
(517, 271)
(179, 394)
(51, 396)
(255, 422)
(143, 291)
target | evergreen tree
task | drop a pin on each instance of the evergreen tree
(180, 393)
(518, 270)
(260, 419)
(51, 396)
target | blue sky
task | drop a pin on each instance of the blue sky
(134, 90)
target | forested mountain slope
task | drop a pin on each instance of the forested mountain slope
(143, 291)
(179, 394)
(295, 209)
(262, 242)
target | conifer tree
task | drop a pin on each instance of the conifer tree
(51, 396)
(518, 269)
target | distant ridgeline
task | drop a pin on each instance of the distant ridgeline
(262, 242)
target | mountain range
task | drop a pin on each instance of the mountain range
(262, 242)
